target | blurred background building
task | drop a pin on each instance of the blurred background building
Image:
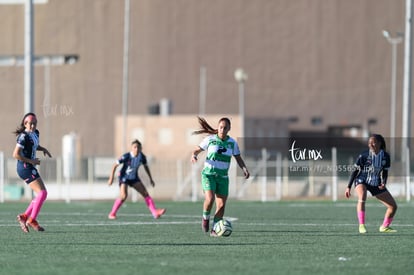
(275, 67)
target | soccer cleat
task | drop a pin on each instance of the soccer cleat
(159, 212)
(34, 224)
(213, 233)
(362, 229)
(111, 217)
(386, 229)
(205, 223)
(22, 218)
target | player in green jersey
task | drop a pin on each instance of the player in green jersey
(219, 147)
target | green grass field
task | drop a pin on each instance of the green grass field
(268, 238)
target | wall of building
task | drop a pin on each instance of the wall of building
(304, 59)
(167, 137)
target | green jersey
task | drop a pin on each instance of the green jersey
(219, 153)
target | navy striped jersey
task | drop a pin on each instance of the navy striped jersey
(371, 165)
(28, 141)
(129, 170)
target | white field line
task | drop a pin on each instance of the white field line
(5, 222)
(191, 219)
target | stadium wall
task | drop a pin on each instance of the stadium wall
(323, 60)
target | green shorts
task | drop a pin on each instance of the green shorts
(218, 184)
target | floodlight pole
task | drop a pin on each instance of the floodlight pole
(394, 41)
(125, 74)
(28, 58)
(406, 121)
(241, 77)
(202, 91)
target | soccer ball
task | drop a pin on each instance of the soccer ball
(223, 228)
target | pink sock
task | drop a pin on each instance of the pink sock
(361, 217)
(387, 221)
(118, 202)
(150, 204)
(38, 202)
(30, 208)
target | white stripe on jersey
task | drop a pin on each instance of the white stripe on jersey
(373, 175)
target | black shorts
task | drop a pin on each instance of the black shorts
(129, 182)
(374, 190)
(27, 172)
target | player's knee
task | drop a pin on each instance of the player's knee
(209, 201)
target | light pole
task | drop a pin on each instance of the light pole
(241, 77)
(394, 41)
(202, 91)
(125, 73)
(28, 58)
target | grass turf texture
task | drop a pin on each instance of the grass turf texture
(268, 238)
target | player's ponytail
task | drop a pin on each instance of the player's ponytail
(381, 140)
(205, 127)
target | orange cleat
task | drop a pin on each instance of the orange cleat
(159, 212)
(34, 224)
(22, 218)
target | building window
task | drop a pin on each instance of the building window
(316, 120)
(192, 139)
(165, 136)
(138, 133)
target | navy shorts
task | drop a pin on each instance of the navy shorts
(374, 190)
(129, 182)
(27, 172)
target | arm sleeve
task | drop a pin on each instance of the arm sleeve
(384, 176)
(204, 143)
(358, 164)
(21, 140)
(352, 178)
(236, 150)
(122, 158)
(384, 172)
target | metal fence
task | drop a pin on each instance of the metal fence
(273, 178)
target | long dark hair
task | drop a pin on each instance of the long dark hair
(21, 127)
(206, 128)
(381, 140)
(137, 142)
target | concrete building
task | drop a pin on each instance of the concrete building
(318, 64)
